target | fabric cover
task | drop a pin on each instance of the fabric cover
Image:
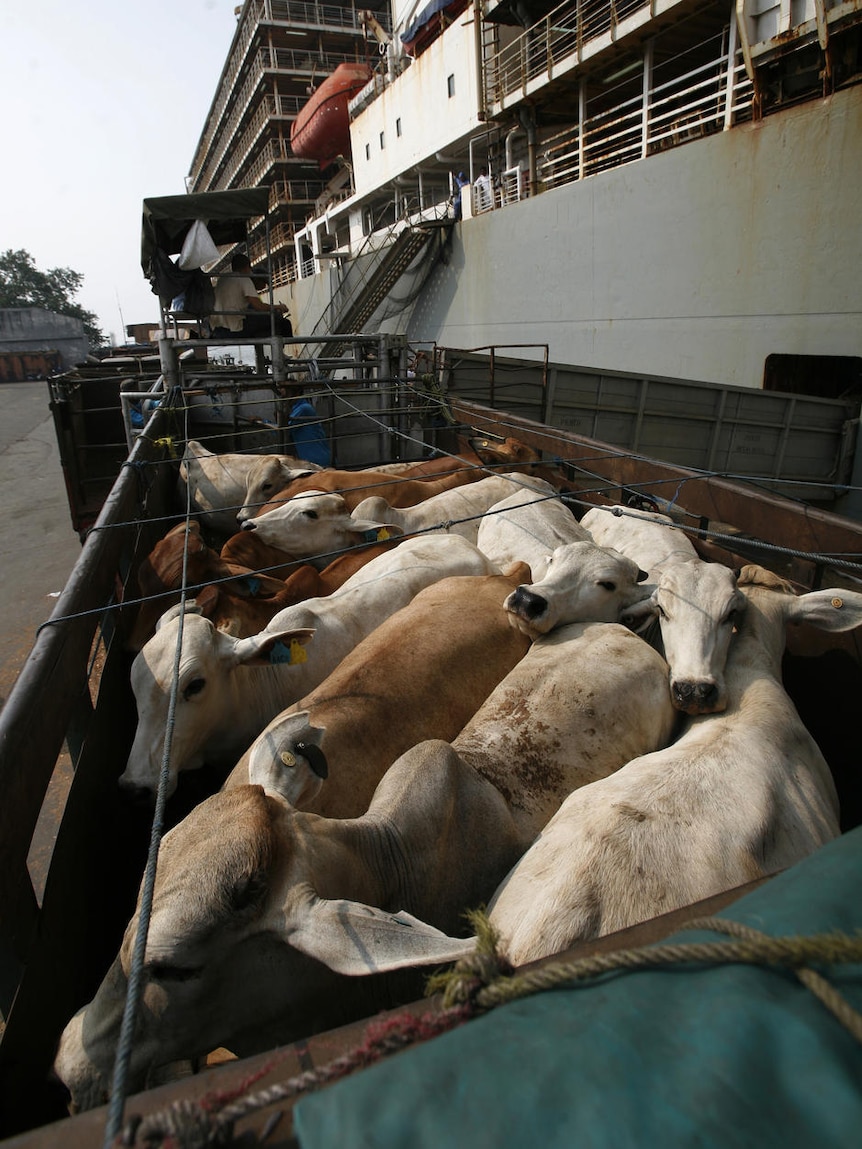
(706, 1056)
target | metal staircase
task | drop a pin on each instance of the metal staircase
(349, 314)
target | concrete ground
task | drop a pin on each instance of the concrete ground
(40, 545)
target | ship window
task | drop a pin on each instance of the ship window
(398, 127)
(382, 140)
(368, 151)
(450, 85)
(828, 376)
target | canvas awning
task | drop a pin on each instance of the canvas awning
(167, 219)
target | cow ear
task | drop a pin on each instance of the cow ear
(637, 616)
(832, 610)
(191, 607)
(270, 647)
(355, 939)
(366, 531)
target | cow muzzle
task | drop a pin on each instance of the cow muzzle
(697, 697)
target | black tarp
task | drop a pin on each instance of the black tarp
(167, 219)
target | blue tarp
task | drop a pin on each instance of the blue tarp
(422, 19)
(710, 1056)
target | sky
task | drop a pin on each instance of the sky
(103, 104)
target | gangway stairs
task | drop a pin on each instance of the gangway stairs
(371, 292)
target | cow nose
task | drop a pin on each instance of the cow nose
(136, 794)
(526, 603)
(695, 697)
(247, 525)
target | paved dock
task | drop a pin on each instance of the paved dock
(39, 545)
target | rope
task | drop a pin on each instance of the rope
(126, 1040)
(194, 1125)
(482, 979)
(485, 980)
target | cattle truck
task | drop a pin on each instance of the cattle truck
(67, 727)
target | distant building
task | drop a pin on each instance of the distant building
(35, 343)
(281, 53)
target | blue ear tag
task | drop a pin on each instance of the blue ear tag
(281, 653)
(379, 535)
(252, 584)
(293, 654)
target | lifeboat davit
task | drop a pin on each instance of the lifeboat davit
(321, 130)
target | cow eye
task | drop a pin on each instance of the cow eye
(194, 687)
(730, 618)
(266, 487)
(660, 611)
(161, 971)
(310, 514)
(607, 584)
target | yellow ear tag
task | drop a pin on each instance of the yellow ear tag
(297, 652)
(382, 535)
(287, 758)
(838, 603)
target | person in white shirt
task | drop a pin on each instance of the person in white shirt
(238, 309)
(483, 191)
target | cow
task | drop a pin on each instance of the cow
(741, 794)
(318, 524)
(421, 674)
(697, 603)
(215, 485)
(267, 922)
(228, 688)
(580, 581)
(528, 529)
(233, 595)
(584, 700)
(398, 491)
(459, 511)
(266, 478)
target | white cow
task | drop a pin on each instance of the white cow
(219, 482)
(315, 525)
(697, 603)
(581, 581)
(259, 912)
(458, 511)
(739, 795)
(230, 688)
(269, 475)
(524, 529)
(584, 700)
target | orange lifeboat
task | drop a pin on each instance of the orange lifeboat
(321, 130)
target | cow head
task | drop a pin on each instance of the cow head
(266, 478)
(242, 951)
(316, 523)
(698, 606)
(582, 582)
(206, 663)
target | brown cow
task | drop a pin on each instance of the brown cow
(421, 674)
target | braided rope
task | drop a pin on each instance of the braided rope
(484, 980)
(481, 978)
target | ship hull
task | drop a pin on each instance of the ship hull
(697, 263)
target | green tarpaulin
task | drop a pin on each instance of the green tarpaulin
(710, 1056)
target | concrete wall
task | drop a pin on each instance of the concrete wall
(696, 263)
(34, 330)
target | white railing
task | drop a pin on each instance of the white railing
(561, 35)
(684, 107)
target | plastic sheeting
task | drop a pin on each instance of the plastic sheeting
(705, 1056)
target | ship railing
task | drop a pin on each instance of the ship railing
(683, 107)
(564, 33)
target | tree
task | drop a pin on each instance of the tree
(22, 284)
